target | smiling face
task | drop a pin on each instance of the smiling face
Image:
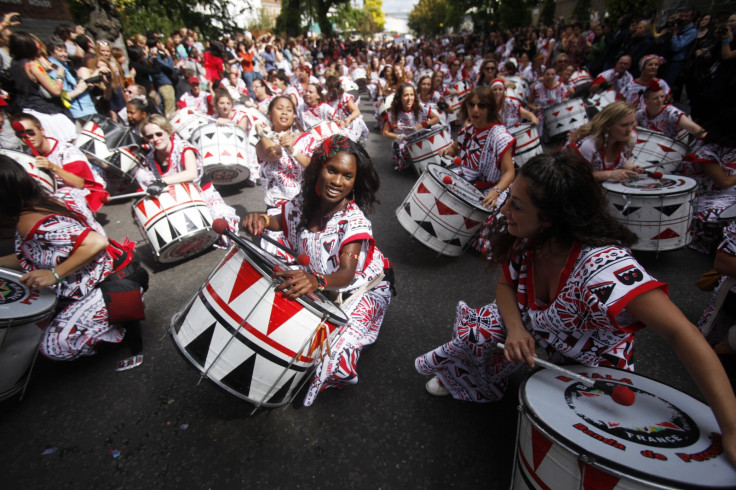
(550, 75)
(407, 98)
(650, 68)
(157, 137)
(311, 96)
(521, 214)
(425, 86)
(498, 92)
(282, 114)
(337, 179)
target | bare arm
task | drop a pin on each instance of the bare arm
(715, 173)
(189, 173)
(520, 345)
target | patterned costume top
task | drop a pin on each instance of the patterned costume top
(282, 179)
(50, 242)
(340, 105)
(309, 116)
(236, 116)
(586, 321)
(434, 97)
(263, 104)
(71, 159)
(145, 175)
(634, 92)
(406, 122)
(665, 121)
(481, 150)
(545, 97)
(590, 150)
(323, 247)
(713, 154)
(200, 103)
(616, 80)
(510, 113)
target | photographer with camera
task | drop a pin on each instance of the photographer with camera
(75, 91)
(683, 35)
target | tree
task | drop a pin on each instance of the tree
(375, 9)
(427, 18)
(547, 14)
(290, 18)
(348, 19)
(581, 11)
(514, 14)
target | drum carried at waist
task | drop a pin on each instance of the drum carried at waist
(659, 211)
(224, 151)
(186, 121)
(24, 314)
(318, 133)
(45, 178)
(560, 119)
(527, 145)
(571, 435)
(442, 211)
(424, 146)
(177, 223)
(249, 340)
(655, 151)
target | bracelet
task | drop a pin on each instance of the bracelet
(498, 191)
(267, 218)
(321, 282)
(348, 254)
(56, 276)
(425, 124)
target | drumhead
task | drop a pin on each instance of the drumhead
(459, 187)
(265, 263)
(665, 436)
(18, 304)
(668, 184)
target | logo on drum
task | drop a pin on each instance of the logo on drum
(650, 421)
(10, 292)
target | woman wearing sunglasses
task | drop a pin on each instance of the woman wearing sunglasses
(485, 149)
(173, 160)
(510, 110)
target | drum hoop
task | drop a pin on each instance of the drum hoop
(229, 127)
(451, 191)
(681, 191)
(30, 318)
(645, 131)
(308, 303)
(597, 461)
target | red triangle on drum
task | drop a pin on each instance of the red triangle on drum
(540, 447)
(419, 144)
(555, 113)
(665, 149)
(443, 208)
(142, 208)
(431, 139)
(422, 190)
(225, 153)
(282, 313)
(247, 276)
(571, 108)
(208, 155)
(240, 155)
(470, 223)
(595, 479)
(318, 130)
(668, 233)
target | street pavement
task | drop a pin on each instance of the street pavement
(84, 425)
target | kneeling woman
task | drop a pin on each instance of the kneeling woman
(173, 160)
(57, 247)
(406, 116)
(327, 223)
(556, 242)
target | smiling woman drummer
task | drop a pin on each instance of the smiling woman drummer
(327, 223)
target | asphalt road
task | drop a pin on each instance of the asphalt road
(84, 425)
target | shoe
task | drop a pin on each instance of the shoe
(435, 388)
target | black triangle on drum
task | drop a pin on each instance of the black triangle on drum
(407, 208)
(239, 378)
(159, 239)
(174, 233)
(629, 211)
(668, 210)
(199, 347)
(280, 395)
(190, 225)
(204, 220)
(455, 242)
(427, 226)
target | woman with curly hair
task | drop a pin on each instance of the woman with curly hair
(327, 222)
(406, 116)
(570, 286)
(606, 142)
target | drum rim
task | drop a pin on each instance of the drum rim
(454, 193)
(308, 303)
(683, 190)
(33, 317)
(230, 127)
(598, 461)
(639, 130)
(424, 133)
(579, 99)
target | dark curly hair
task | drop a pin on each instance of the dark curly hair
(397, 106)
(568, 197)
(365, 188)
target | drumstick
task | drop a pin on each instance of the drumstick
(18, 128)
(123, 196)
(619, 394)
(222, 228)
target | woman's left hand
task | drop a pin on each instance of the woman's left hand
(221, 121)
(298, 283)
(39, 279)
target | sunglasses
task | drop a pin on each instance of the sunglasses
(490, 68)
(479, 105)
(456, 64)
(26, 132)
(157, 134)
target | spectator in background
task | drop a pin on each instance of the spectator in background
(683, 35)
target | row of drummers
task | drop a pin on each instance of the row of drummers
(659, 204)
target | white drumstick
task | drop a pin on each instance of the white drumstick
(126, 196)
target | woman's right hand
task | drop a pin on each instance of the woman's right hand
(254, 224)
(519, 346)
(621, 174)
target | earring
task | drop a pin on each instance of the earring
(605, 139)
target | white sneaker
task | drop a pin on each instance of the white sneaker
(435, 388)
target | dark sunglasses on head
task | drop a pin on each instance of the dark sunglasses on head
(157, 134)
(479, 105)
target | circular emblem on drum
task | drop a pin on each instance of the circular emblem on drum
(10, 292)
(652, 421)
(649, 183)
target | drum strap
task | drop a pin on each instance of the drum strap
(375, 282)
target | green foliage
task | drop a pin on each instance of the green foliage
(581, 10)
(514, 14)
(547, 14)
(289, 20)
(617, 8)
(427, 18)
(348, 19)
(377, 18)
(264, 22)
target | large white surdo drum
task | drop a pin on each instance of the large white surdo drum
(659, 211)
(47, 181)
(246, 338)
(527, 144)
(560, 119)
(572, 436)
(424, 146)
(177, 223)
(443, 211)
(655, 151)
(185, 121)
(224, 151)
(597, 102)
(23, 316)
(311, 139)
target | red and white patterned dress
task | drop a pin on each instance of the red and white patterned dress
(405, 123)
(309, 116)
(665, 121)
(84, 322)
(282, 179)
(357, 130)
(545, 97)
(364, 310)
(616, 80)
(480, 151)
(585, 322)
(200, 103)
(723, 323)
(634, 92)
(590, 150)
(145, 176)
(510, 112)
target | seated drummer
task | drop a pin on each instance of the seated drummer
(225, 113)
(57, 247)
(545, 93)
(606, 142)
(664, 118)
(66, 162)
(558, 244)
